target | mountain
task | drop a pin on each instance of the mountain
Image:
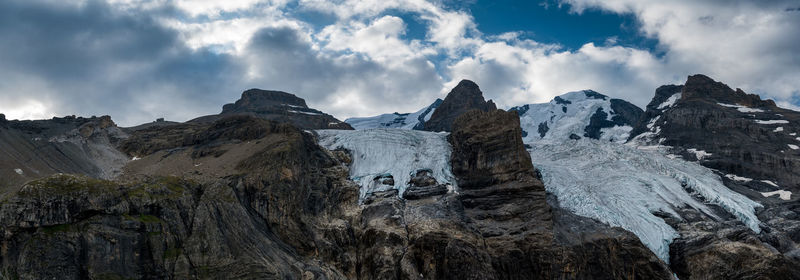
(35, 149)
(579, 114)
(727, 130)
(462, 98)
(278, 106)
(414, 120)
(542, 191)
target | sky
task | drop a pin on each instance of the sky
(140, 60)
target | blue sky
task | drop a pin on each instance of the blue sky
(139, 60)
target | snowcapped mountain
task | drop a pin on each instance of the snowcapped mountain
(414, 120)
(579, 114)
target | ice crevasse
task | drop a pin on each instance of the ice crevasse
(380, 153)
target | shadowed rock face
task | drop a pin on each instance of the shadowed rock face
(752, 140)
(738, 134)
(35, 149)
(464, 97)
(278, 106)
(268, 196)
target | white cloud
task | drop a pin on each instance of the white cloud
(363, 62)
(747, 44)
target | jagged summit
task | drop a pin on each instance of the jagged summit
(701, 86)
(462, 98)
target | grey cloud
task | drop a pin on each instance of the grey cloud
(97, 61)
(284, 60)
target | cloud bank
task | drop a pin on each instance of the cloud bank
(140, 60)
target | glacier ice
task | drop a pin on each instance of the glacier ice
(568, 114)
(396, 120)
(400, 153)
(623, 186)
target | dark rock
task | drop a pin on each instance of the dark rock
(574, 136)
(542, 129)
(421, 124)
(698, 121)
(277, 106)
(464, 97)
(423, 185)
(40, 148)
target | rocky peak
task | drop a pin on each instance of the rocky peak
(277, 106)
(702, 87)
(256, 100)
(462, 98)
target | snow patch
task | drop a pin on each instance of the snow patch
(793, 147)
(772, 121)
(770, 183)
(19, 171)
(670, 101)
(136, 158)
(301, 112)
(740, 108)
(738, 178)
(783, 194)
(623, 186)
(792, 134)
(378, 153)
(700, 154)
(778, 129)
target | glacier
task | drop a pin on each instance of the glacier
(396, 120)
(379, 153)
(624, 186)
(568, 114)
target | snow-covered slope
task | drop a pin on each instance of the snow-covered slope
(578, 114)
(623, 186)
(396, 120)
(380, 153)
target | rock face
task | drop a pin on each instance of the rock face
(35, 149)
(704, 115)
(751, 143)
(267, 214)
(278, 106)
(464, 97)
(507, 203)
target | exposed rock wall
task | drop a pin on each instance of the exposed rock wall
(462, 98)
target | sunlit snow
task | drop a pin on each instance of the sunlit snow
(793, 147)
(771, 121)
(699, 154)
(19, 171)
(670, 101)
(562, 119)
(743, 109)
(738, 178)
(394, 120)
(396, 152)
(782, 194)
